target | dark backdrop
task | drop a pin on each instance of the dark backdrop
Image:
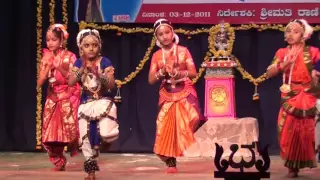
(137, 113)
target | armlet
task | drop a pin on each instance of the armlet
(189, 61)
(74, 69)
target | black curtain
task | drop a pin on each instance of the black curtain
(18, 82)
(137, 113)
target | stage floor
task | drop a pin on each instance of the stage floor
(35, 166)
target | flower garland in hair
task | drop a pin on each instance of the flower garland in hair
(91, 31)
(308, 30)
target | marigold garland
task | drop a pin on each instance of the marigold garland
(212, 35)
(139, 67)
(246, 75)
(83, 25)
(263, 27)
(65, 12)
(259, 27)
(212, 31)
(254, 81)
(243, 72)
(65, 16)
(39, 89)
(201, 69)
(52, 6)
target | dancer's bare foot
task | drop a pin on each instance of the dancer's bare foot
(74, 149)
(91, 176)
(74, 153)
(293, 173)
(171, 170)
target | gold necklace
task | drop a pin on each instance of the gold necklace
(95, 93)
(286, 87)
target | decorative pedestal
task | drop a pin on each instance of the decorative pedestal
(222, 127)
(219, 89)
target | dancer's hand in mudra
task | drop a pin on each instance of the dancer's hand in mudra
(109, 71)
(170, 64)
(169, 69)
(90, 68)
(47, 57)
(315, 76)
(163, 69)
(107, 77)
(315, 73)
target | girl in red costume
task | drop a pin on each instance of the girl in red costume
(296, 122)
(60, 126)
(178, 104)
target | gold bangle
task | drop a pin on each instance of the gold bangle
(157, 75)
(175, 74)
(186, 73)
(161, 74)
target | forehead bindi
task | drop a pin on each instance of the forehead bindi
(51, 35)
(90, 40)
(163, 28)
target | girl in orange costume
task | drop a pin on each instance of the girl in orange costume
(298, 98)
(60, 126)
(179, 111)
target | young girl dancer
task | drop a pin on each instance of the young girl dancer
(97, 112)
(60, 111)
(179, 111)
(298, 97)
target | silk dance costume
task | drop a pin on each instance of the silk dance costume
(97, 111)
(60, 127)
(296, 122)
(179, 110)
